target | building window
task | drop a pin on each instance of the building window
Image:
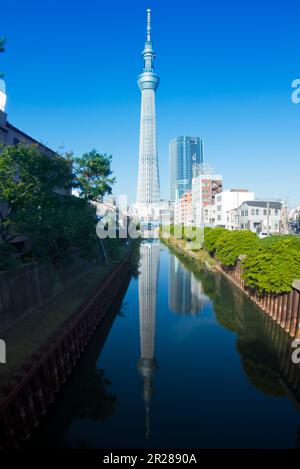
(257, 211)
(253, 212)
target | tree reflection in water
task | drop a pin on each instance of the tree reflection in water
(264, 348)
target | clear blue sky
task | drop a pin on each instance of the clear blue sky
(226, 69)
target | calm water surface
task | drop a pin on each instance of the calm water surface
(187, 361)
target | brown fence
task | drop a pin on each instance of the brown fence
(280, 344)
(283, 308)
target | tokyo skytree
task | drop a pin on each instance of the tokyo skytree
(148, 191)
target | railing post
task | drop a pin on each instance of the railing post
(295, 332)
(289, 311)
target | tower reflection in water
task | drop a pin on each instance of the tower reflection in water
(186, 295)
(149, 264)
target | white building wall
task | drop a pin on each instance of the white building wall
(197, 200)
(229, 200)
(188, 219)
(256, 219)
(197, 196)
(177, 212)
(209, 215)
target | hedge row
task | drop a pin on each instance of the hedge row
(270, 264)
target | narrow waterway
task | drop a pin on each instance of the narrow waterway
(187, 361)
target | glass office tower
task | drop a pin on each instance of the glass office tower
(183, 153)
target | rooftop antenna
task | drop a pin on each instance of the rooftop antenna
(148, 25)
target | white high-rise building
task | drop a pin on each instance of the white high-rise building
(148, 190)
(205, 188)
(2, 95)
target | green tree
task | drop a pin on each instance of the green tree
(28, 180)
(93, 175)
(211, 236)
(34, 202)
(93, 180)
(231, 244)
(274, 265)
(59, 224)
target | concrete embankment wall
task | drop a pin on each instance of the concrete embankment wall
(27, 397)
(30, 286)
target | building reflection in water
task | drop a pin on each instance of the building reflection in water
(264, 347)
(186, 295)
(149, 260)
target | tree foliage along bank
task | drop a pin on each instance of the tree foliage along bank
(36, 202)
(269, 265)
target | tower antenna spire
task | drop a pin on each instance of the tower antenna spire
(148, 25)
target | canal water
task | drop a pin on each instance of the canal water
(186, 361)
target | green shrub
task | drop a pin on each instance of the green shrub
(211, 236)
(274, 265)
(231, 244)
(271, 264)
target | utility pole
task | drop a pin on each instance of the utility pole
(285, 212)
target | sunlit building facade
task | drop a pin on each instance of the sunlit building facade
(184, 153)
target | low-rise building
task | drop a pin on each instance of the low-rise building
(11, 135)
(167, 214)
(209, 215)
(229, 200)
(258, 216)
(183, 210)
(294, 214)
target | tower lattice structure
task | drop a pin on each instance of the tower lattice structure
(148, 188)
